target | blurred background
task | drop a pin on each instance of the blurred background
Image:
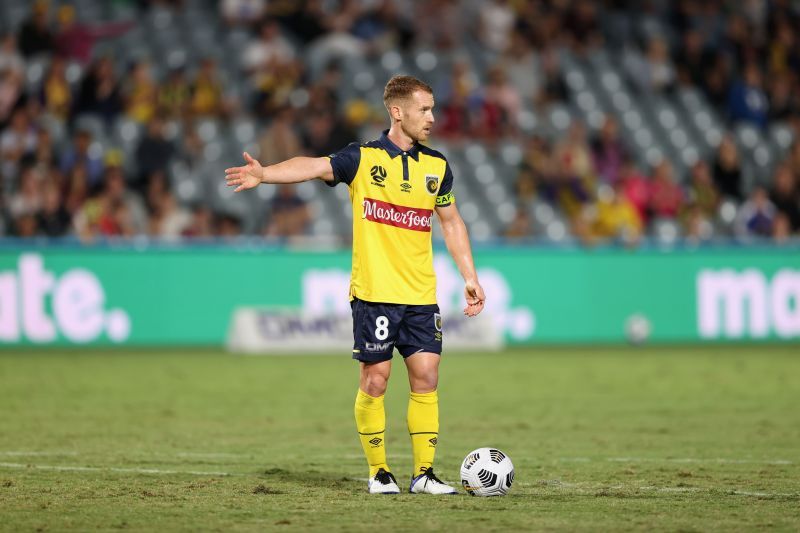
(630, 165)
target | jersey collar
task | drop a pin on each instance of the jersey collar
(393, 150)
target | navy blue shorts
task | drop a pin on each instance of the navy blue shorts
(378, 328)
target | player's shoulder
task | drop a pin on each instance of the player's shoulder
(427, 150)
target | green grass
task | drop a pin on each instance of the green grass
(678, 439)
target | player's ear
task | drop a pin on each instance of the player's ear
(395, 111)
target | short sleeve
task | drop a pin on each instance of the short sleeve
(345, 164)
(445, 196)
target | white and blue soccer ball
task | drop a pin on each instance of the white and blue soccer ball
(487, 472)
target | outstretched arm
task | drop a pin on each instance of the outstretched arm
(457, 241)
(292, 170)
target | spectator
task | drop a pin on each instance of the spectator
(580, 23)
(727, 169)
(75, 40)
(153, 154)
(16, 140)
(574, 154)
(53, 220)
(129, 205)
(242, 12)
(25, 226)
(781, 229)
(289, 214)
(615, 216)
(76, 190)
(190, 151)
(168, 219)
(501, 105)
(522, 65)
(11, 92)
(636, 188)
(521, 226)
(99, 92)
(654, 72)
(785, 195)
(35, 35)
(56, 94)
(666, 197)
(553, 88)
(271, 50)
(27, 200)
(43, 156)
(784, 101)
(756, 216)
(10, 58)
(696, 225)
(141, 93)
(201, 225)
(174, 95)
(79, 153)
(747, 101)
(228, 226)
(608, 152)
(693, 60)
(207, 94)
(496, 21)
(280, 141)
(703, 194)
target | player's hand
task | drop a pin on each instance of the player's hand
(245, 177)
(475, 298)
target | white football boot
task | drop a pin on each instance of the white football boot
(428, 483)
(383, 483)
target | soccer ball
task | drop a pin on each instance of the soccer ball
(487, 472)
(637, 329)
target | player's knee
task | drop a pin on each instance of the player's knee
(425, 383)
(374, 384)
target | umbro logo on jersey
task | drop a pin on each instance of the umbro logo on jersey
(378, 173)
(376, 441)
(406, 187)
(433, 441)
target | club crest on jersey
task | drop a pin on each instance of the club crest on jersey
(437, 321)
(431, 183)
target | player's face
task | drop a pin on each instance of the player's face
(418, 116)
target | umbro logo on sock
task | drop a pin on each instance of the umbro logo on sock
(433, 441)
(376, 441)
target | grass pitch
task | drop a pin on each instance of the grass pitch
(689, 439)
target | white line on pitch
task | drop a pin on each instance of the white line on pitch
(28, 453)
(211, 454)
(720, 460)
(113, 469)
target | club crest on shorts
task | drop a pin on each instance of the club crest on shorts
(437, 321)
(431, 183)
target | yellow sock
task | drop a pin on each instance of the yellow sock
(371, 425)
(423, 425)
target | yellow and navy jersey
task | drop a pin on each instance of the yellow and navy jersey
(394, 193)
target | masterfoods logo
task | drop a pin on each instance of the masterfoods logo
(326, 291)
(397, 215)
(76, 302)
(733, 304)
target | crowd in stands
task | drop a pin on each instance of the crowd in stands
(57, 180)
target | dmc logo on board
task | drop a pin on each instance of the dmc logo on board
(75, 300)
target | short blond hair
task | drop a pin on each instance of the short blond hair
(402, 87)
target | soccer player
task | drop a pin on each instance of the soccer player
(396, 183)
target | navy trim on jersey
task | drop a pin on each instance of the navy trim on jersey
(393, 150)
(345, 164)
